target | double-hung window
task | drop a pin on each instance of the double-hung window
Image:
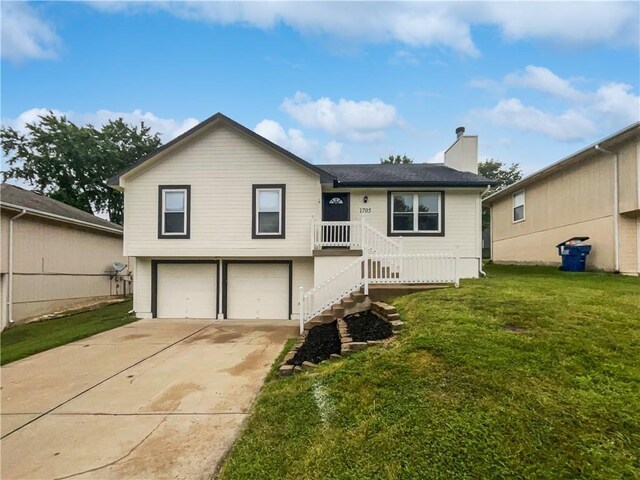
(518, 206)
(419, 213)
(268, 211)
(173, 206)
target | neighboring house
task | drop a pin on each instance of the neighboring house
(224, 223)
(592, 193)
(54, 256)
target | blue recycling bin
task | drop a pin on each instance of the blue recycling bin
(574, 254)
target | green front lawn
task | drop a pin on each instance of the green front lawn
(23, 340)
(530, 373)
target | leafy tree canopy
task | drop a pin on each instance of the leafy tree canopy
(504, 174)
(72, 163)
(396, 160)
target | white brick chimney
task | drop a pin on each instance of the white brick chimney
(463, 154)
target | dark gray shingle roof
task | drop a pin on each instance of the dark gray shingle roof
(10, 194)
(408, 175)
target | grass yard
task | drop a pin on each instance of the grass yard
(23, 340)
(530, 373)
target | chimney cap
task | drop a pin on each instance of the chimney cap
(459, 131)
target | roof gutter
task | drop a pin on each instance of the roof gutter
(61, 218)
(616, 207)
(482, 184)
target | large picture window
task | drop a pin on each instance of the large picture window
(518, 206)
(173, 207)
(416, 213)
(268, 211)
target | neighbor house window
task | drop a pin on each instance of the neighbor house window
(418, 213)
(268, 211)
(518, 206)
(173, 219)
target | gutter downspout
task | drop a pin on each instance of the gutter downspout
(482, 272)
(10, 283)
(616, 208)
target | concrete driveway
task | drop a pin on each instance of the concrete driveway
(153, 399)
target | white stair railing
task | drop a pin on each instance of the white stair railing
(378, 269)
(331, 291)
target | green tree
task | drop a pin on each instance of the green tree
(396, 160)
(502, 173)
(72, 163)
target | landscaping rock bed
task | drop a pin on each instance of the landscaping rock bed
(320, 343)
(341, 338)
(367, 326)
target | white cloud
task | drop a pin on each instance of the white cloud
(363, 121)
(25, 35)
(168, 128)
(291, 139)
(332, 152)
(612, 105)
(420, 24)
(437, 158)
(569, 125)
(617, 103)
(543, 79)
(573, 23)
(294, 140)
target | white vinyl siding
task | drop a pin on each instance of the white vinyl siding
(221, 166)
(461, 219)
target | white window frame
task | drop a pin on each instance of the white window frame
(185, 192)
(416, 203)
(514, 206)
(257, 209)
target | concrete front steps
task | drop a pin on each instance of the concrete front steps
(356, 302)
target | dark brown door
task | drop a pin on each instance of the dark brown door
(335, 208)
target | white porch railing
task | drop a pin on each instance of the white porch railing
(336, 234)
(352, 234)
(378, 269)
(413, 268)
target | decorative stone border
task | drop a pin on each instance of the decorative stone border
(382, 310)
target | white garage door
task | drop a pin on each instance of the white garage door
(187, 290)
(257, 290)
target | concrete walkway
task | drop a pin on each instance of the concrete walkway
(154, 399)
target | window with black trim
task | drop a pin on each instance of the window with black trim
(173, 209)
(518, 206)
(416, 213)
(268, 211)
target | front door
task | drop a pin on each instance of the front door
(335, 208)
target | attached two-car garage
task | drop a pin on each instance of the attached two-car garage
(250, 290)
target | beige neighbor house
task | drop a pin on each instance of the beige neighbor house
(592, 193)
(54, 256)
(222, 223)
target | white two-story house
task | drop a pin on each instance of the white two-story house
(225, 224)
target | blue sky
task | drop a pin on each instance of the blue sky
(336, 82)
